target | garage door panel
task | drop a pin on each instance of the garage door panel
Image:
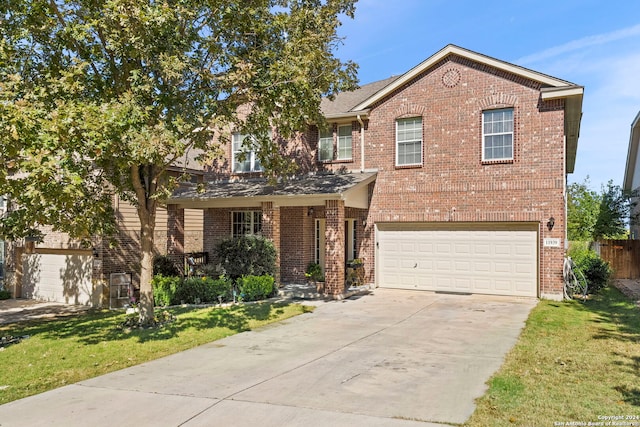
(502, 262)
(443, 248)
(425, 248)
(502, 267)
(62, 278)
(444, 265)
(462, 284)
(482, 284)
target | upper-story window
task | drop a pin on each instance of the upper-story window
(497, 134)
(325, 146)
(343, 149)
(344, 143)
(244, 154)
(409, 141)
(245, 223)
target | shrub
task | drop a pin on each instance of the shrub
(314, 272)
(253, 288)
(209, 270)
(4, 294)
(191, 290)
(578, 250)
(596, 270)
(163, 265)
(218, 290)
(165, 289)
(247, 255)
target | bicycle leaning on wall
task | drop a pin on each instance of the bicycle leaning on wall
(575, 283)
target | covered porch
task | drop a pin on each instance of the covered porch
(319, 218)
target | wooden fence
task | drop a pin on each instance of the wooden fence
(623, 256)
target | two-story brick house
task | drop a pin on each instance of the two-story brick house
(450, 177)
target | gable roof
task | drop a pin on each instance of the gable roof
(358, 102)
(342, 105)
(632, 156)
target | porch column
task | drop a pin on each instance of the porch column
(271, 230)
(334, 248)
(175, 234)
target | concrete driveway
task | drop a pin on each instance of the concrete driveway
(391, 358)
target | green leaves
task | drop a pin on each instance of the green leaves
(101, 96)
(592, 216)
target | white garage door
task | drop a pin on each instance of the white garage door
(485, 258)
(59, 277)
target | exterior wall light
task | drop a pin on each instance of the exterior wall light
(310, 211)
(550, 223)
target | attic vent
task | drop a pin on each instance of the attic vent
(451, 77)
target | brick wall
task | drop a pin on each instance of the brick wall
(297, 237)
(453, 184)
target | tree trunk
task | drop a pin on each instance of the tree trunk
(146, 271)
(145, 185)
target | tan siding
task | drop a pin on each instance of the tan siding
(128, 217)
(193, 219)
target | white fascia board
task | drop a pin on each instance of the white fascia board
(561, 92)
(348, 115)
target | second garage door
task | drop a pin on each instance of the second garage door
(63, 276)
(498, 259)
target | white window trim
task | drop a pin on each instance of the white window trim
(421, 143)
(484, 135)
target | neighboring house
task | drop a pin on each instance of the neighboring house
(60, 269)
(632, 173)
(450, 177)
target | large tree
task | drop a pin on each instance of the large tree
(102, 96)
(592, 216)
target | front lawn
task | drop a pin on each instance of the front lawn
(574, 363)
(67, 350)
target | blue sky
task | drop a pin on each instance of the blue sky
(594, 44)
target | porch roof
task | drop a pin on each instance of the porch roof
(308, 190)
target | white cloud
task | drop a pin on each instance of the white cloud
(582, 43)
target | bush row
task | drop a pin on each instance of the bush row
(173, 290)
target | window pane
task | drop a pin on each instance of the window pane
(257, 223)
(246, 223)
(325, 146)
(245, 158)
(497, 134)
(409, 141)
(344, 142)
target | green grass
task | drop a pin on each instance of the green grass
(574, 361)
(67, 350)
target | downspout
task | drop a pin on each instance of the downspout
(565, 197)
(361, 143)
